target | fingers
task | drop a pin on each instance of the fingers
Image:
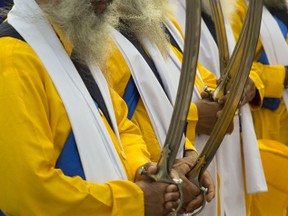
(222, 100)
(207, 111)
(172, 205)
(205, 95)
(146, 170)
(171, 188)
(181, 167)
(171, 196)
(151, 168)
(207, 182)
(249, 92)
(194, 204)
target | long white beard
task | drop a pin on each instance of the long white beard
(85, 29)
(228, 7)
(145, 17)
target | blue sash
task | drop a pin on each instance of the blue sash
(69, 160)
(131, 95)
(272, 103)
(2, 3)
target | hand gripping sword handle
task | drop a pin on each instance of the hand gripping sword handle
(184, 94)
(239, 67)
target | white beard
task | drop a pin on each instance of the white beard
(85, 28)
(228, 7)
(145, 17)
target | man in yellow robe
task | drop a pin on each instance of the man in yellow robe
(64, 149)
(271, 118)
(274, 78)
(237, 153)
(142, 60)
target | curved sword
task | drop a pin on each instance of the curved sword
(239, 68)
(184, 95)
(225, 80)
(218, 18)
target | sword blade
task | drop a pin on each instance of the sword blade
(239, 66)
(184, 92)
(221, 36)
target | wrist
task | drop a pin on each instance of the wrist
(286, 78)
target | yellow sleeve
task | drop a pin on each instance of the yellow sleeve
(192, 122)
(254, 76)
(238, 17)
(271, 77)
(189, 145)
(209, 80)
(131, 138)
(34, 127)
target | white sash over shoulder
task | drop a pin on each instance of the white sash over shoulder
(156, 102)
(228, 156)
(274, 44)
(200, 140)
(99, 158)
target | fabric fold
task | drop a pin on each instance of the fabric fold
(99, 158)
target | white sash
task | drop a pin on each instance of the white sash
(165, 73)
(274, 44)
(255, 178)
(200, 140)
(229, 153)
(175, 33)
(208, 48)
(174, 63)
(99, 158)
(156, 102)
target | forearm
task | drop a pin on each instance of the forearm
(40, 189)
(286, 77)
(256, 102)
(135, 148)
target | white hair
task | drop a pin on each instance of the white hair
(85, 28)
(145, 17)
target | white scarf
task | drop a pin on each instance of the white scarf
(200, 140)
(253, 167)
(157, 104)
(99, 158)
(274, 44)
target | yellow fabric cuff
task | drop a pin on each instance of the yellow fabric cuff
(192, 122)
(260, 88)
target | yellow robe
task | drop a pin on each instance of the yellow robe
(268, 124)
(34, 128)
(271, 129)
(118, 75)
(275, 202)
